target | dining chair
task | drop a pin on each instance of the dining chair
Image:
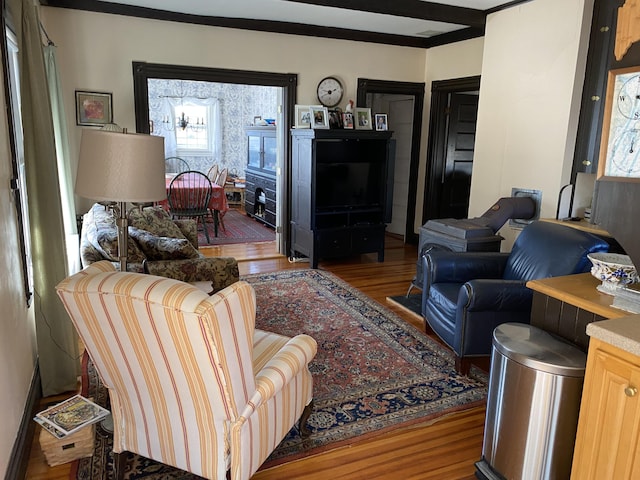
(192, 383)
(175, 165)
(189, 196)
(213, 173)
(221, 180)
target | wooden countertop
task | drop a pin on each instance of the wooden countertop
(580, 225)
(578, 290)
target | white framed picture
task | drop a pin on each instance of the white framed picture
(381, 122)
(319, 117)
(303, 116)
(363, 119)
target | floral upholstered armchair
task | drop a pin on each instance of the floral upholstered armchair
(157, 245)
(192, 382)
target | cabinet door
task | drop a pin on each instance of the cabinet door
(609, 426)
(255, 151)
(269, 151)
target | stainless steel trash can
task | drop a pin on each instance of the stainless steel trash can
(535, 386)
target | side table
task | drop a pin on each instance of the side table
(232, 199)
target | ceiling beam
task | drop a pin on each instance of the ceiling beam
(287, 28)
(409, 8)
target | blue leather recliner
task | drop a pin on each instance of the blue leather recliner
(466, 295)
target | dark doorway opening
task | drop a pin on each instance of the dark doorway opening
(454, 105)
(143, 71)
(367, 90)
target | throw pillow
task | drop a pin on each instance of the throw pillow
(163, 248)
(155, 220)
(103, 235)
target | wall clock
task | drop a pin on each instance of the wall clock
(330, 91)
(620, 145)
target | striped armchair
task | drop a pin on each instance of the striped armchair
(192, 382)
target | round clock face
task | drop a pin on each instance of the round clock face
(628, 98)
(330, 91)
(625, 155)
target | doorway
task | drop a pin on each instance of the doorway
(452, 128)
(403, 102)
(287, 83)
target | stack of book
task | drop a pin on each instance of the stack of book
(70, 416)
(627, 298)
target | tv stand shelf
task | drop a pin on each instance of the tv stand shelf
(341, 192)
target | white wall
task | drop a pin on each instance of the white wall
(456, 60)
(17, 341)
(532, 75)
(95, 52)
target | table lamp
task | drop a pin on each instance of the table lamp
(119, 168)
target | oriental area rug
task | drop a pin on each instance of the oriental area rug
(239, 228)
(373, 372)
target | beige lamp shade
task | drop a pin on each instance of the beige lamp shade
(121, 167)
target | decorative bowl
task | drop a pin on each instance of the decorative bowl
(614, 270)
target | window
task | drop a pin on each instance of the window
(192, 130)
(17, 145)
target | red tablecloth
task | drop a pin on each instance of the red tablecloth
(218, 198)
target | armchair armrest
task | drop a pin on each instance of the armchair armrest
(220, 271)
(285, 365)
(495, 295)
(459, 267)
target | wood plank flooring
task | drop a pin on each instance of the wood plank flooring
(445, 449)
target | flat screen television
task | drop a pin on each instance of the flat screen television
(351, 185)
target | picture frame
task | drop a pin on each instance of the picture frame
(335, 118)
(302, 116)
(363, 119)
(347, 120)
(93, 109)
(319, 117)
(381, 122)
(619, 157)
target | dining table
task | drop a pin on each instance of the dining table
(217, 204)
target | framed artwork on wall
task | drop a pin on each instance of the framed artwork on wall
(620, 145)
(93, 109)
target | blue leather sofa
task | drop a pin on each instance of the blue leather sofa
(467, 294)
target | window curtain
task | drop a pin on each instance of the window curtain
(215, 125)
(56, 337)
(62, 155)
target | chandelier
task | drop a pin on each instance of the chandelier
(183, 122)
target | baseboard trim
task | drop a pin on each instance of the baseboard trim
(17, 467)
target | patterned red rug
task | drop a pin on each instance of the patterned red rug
(239, 228)
(373, 372)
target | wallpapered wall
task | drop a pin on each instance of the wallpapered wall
(239, 104)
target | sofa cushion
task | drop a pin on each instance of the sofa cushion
(157, 247)
(155, 220)
(101, 231)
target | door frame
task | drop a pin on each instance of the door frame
(416, 90)
(437, 141)
(143, 71)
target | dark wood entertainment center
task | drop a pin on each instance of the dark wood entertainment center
(342, 189)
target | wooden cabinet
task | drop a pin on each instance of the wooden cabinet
(260, 192)
(565, 306)
(608, 438)
(341, 195)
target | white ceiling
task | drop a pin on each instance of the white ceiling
(350, 15)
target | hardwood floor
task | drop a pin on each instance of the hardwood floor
(445, 449)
